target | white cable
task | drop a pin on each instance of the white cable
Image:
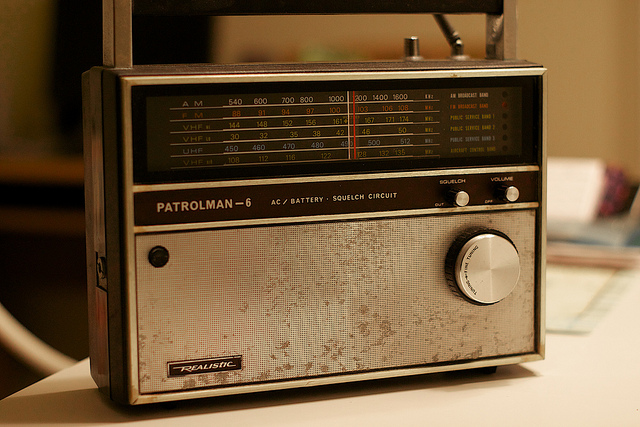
(28, 348)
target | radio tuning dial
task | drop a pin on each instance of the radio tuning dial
(458, 197)
(483, 266)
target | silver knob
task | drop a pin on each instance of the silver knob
(458, 198)
(509, 193)
(484, 267)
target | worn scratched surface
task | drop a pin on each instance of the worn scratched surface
(317, 299)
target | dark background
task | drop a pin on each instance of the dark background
(42, 242)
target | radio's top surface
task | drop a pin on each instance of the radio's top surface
(328, 67)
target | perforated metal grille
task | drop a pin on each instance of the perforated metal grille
(317, 299)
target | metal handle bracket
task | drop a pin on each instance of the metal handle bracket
(118, 17)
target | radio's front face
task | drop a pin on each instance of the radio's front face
(330, 227)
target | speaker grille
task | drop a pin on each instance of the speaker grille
(314, 299)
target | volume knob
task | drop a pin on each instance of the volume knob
(509, 193)
(483, 266)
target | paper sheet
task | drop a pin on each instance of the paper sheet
(578, 297)
(574, 188)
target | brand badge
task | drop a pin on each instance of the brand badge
(191, 367)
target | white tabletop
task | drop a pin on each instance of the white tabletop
(586, 380)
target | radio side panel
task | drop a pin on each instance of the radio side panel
(541, 225)
(94, 219)
(103, 210)
(115, 238)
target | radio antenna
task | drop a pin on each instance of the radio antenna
(452, 36)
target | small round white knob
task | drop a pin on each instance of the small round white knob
(509, 193)
(458, 198)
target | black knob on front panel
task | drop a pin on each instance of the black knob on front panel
(159, 256)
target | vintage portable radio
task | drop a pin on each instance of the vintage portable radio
(259, 227)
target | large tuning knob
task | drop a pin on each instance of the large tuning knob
(483, 266)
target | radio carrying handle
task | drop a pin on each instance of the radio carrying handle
(500, 37)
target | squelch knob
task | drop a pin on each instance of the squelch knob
(458, 198)
(483, 266)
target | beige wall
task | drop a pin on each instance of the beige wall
(282, 38)
(591, 50)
